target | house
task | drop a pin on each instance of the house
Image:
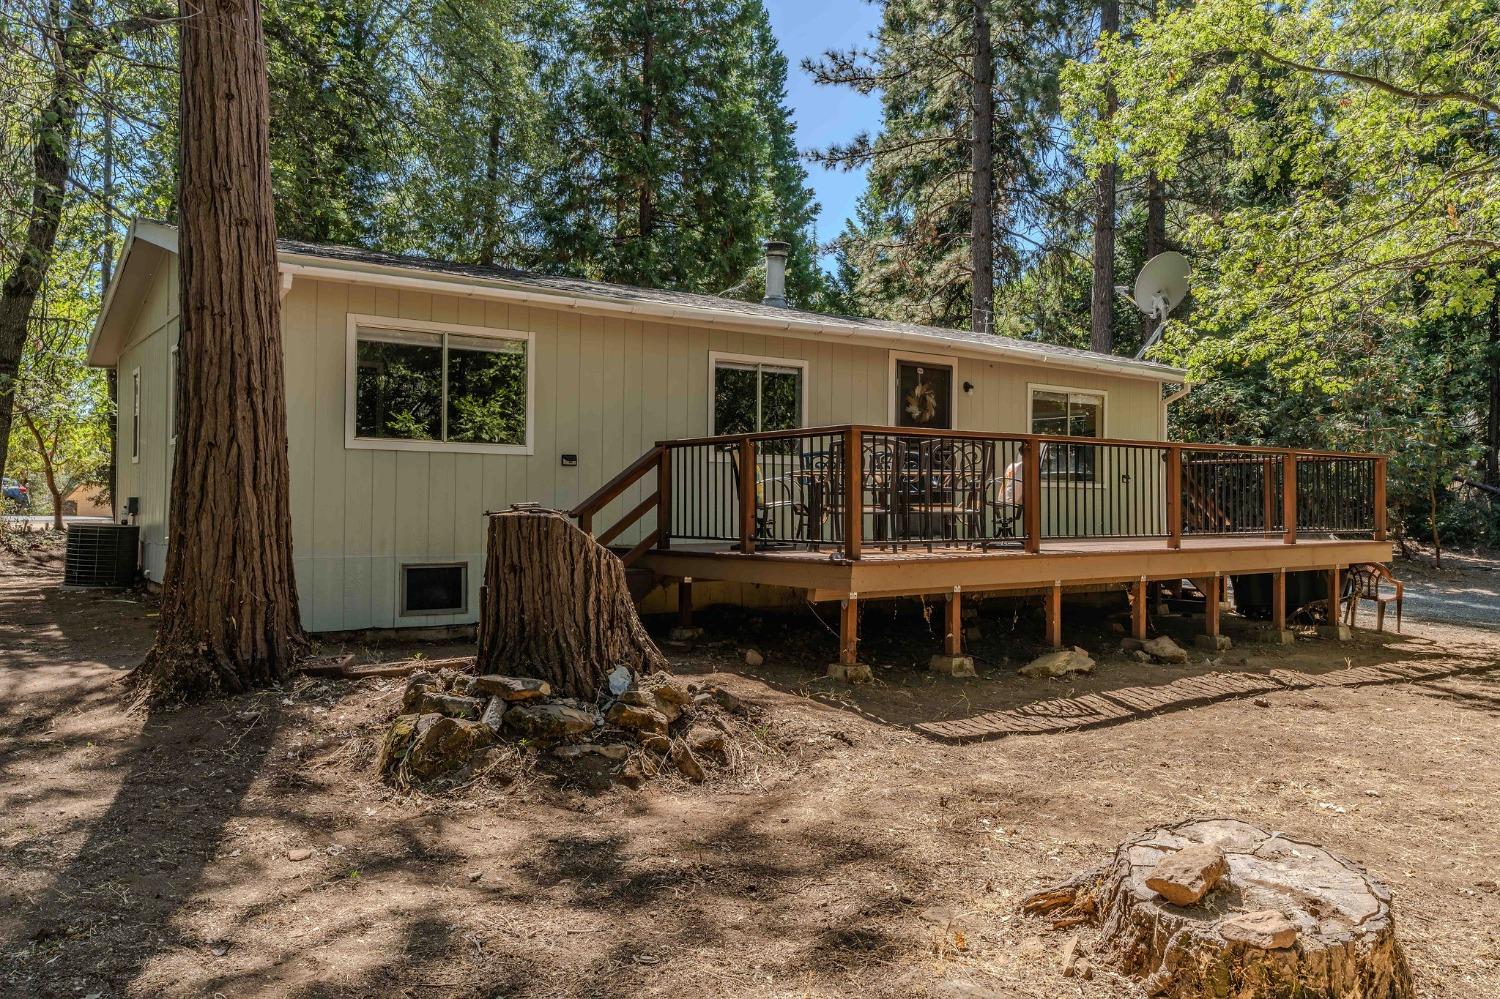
(421, 394)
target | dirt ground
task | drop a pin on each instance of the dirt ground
(147, 854)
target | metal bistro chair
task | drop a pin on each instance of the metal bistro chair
(1365, 584)
(773, 493)
(1005, 496)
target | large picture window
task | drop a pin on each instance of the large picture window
(1066, 413)
(443, 388)
(752, 395)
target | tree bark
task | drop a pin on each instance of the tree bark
(1492, 377)
(75, 43)
(1344, 945)
(1102, 299)
(1156, 216)
(229, 615)
(982, 166)
(49, 471)
(556, 606)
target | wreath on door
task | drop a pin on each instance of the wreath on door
(922, 401)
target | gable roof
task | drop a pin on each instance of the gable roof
(329, 261)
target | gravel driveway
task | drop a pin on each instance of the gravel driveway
(1465, 591)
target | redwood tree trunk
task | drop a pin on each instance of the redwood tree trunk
(982, 166)
(1492, 378)
(1102, 301)
(229, 617)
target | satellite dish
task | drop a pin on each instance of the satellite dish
(1162, 284)
(1160, 288)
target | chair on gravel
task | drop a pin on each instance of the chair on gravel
(1367, 579)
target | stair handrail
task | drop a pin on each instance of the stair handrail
(585, 511)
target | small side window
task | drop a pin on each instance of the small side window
(135, 415)
(434, 589)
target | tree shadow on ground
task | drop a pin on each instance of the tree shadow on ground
(898, 636)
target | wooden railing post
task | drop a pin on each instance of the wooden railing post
(1268, 513)
(664, 499)
(1174, 497)
(1289, 497)
(748, 476)
(1380, 511)
(1031, 495)
(854, 493)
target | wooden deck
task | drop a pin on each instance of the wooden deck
(813, 510)
(826, 575)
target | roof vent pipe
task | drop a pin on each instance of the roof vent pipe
(776, 252)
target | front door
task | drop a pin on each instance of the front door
(924, 395)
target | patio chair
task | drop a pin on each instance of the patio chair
(1365, 582)
(773, 493)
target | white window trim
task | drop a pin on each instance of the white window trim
(404, 614)
(715, 356)
(135, 416)
(1032, 388)
(357, 322)
(893, 405)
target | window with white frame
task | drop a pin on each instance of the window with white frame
(1067, 413)
(172, 399)
(751, 395)
(439, 385)
(135, 415)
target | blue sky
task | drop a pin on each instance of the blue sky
(826, 114)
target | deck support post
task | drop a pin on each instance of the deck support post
(849, 668)
(1054, 615)
(1278, 634)
(1138, 610)
(1211, 639)
(953, 662)
(1335, 628)
(684, 630)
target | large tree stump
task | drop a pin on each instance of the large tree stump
(556, 606)
(1344, 945)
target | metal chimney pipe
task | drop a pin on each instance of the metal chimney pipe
(776, 253)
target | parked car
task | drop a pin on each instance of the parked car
(16, 496)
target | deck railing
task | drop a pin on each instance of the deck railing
(854, 488)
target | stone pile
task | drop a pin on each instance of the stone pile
(450, 720)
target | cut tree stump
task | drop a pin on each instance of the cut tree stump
(1289, 921)
(555, 605)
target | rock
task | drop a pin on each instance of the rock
(1261, 702)
(632, 776)
(548, 722)
(512, 688)
(705, 739)
(613, 752)
(1213, 643)
(494, 714)
(443, 743)
(1164, 650)
(1063, 662)
(637, 716)
(658, 744)
(688, 763)
(419, 685)
(1267, 929)
(452, 705)
(1131, 644)
(726, 700)
(1184, 877)
(954, 666)
(1117, 627)
(753, 658)
(667, 691)
(1084, 970)
(396, 742)
(299, 854)
(1142, 656)
(685, 634)
(463, 684)
(620, 680)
